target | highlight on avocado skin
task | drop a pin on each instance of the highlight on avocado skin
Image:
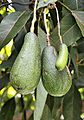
(25, 73)
(62, 58)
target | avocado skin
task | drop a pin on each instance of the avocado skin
(25, 73)
(56, 83)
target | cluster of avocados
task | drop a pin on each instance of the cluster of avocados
(30, 65)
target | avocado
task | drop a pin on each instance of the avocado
(56, 83)
(62, 58)
(25, 72)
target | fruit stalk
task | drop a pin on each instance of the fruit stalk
(34, 17)
(46, 27)
(59, 33)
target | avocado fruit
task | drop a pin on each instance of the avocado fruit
(56, 83)
(25, 72)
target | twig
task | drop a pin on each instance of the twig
(34, 17)
(6, 4)
(46, 27)
(59, 33)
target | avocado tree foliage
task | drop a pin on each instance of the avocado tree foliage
(59, 94)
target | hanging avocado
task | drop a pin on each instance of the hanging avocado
(56, 83)
(25, 73)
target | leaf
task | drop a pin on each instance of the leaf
(4, 80)
(42, 38)
(73, 55)
(41, 92)
(81, 56)
(81, 4)
(81, 68)
(19, 39)
(72, 4)
(50, 101)
(40, 101)
(19, 7)
(8, 110)
(79, 16)
(79, 82)
(56, 111)
(69, 31)
(11, 25)
(8, 63)
(46, 114)
(81, 45)
(72, 105)
(42, 3)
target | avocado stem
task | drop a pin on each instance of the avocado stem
(34, 17)
(59, 28)
(46, 27)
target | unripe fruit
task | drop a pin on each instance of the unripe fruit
(62, 58)
(25, 73)
(56, 83)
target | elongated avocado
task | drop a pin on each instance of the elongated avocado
(56, 83)
(25, 73)
(62, 58)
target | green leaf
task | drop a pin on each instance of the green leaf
(81, 45)
(69, 31)
(81, 68)
(81, 4)
(79, 82)
(41, 92)
(42, 38)
(72, 105)
(19, 7)
(4, 80)
(56, 111)
(72, 4)
(40, 101)
(46, 113)
(73, 55)
(8, 63)
(44, 3)
(50, 101)
(11, 25)
(8, 110)
(19, 39)
(79, 16)
(81, 56)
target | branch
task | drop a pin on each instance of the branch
(34, 17)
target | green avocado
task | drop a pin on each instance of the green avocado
(25, 73)
(62, 58)
(56, 83)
